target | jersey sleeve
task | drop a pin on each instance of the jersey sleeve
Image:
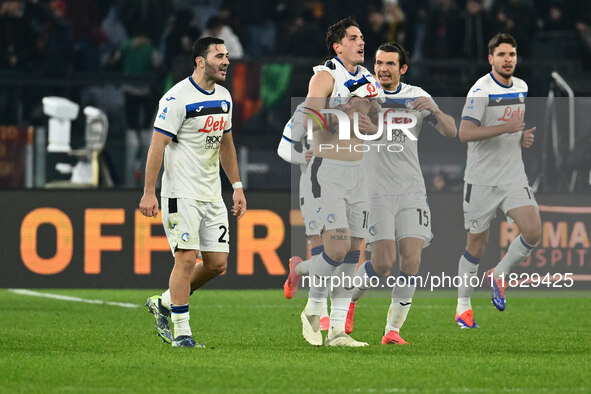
(171, 114)
(476, 103)
(427, 116)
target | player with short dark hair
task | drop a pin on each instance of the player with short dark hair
(493, 126)
(399, 212)
(193, 130)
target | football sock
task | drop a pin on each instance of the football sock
(516, 253)
(467, 268)
(180, 319)
(303, 268)
(341, 296)
(401, 301)
(363, 276)
(166, 300)
(321, 270)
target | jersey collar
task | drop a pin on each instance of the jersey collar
(396, 91)
(356, 68)
(500, 84)
(200, 89)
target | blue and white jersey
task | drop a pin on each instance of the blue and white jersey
(399, 172)
(196, 120)
(497, 160)
(360, 83)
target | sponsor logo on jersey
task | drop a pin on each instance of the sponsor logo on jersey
(213, 125)
(213, 141)
(509, 113)
(163, 114)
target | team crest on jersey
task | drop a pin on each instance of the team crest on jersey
(312, 225)
(373, 230)
(331, 218)
(224, 106)
(408, 104)
(521, 97)
(185, 237)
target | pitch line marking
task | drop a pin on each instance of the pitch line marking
(68, 298)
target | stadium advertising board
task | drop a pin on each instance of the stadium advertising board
(98, 239)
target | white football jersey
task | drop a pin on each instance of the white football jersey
(399, 172)
(360, 83)
(196, 120)
(497, 160)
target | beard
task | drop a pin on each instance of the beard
(504, 74)
(212, 73)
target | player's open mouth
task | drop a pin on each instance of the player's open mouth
(385, 76)
(223, 71)
(360, 52)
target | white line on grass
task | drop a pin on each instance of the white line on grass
(68, 298)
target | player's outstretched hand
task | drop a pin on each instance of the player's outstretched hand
(514, 124)
(425, 103)
(149, 205)
(527, 138)
(239, 207)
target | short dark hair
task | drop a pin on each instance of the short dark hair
(397, 48)
(338, 31)
(201, 46)
(501, 38)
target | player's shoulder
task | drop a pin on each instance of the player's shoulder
(482, 87)
(408, 90)
(519, 83)
(177, 92)
(222, 92)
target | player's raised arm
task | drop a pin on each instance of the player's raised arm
(149, 202)
(230, 165)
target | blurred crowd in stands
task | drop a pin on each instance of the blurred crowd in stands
(58, 37)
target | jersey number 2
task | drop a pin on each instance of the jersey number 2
(222, 239)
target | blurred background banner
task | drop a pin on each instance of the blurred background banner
(98, 239)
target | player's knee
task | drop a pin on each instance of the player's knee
(532, 235)
(217, 268)
(410, 265)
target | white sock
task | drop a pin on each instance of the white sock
(340, 296)
(321, 270)
(401, 302)
(180, 319)
(324, 309)
(516, 253)
(166, 300)
(467, 268)
(303, 268)
(363, 276)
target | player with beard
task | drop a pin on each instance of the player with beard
(399, 212)
(493, 125)
(196, 116)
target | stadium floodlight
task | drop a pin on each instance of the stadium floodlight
(61, 112)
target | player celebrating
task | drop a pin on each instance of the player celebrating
(492, 124)
(338, 182)
(195, 115)
(295, 148)
(399, 213)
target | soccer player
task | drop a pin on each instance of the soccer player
(193, 130)
(295, 148)
(339, 186)
(493, 125)
(399, 212)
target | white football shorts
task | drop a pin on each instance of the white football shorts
(196, 225)
(400, 216)
(337, 197)
(481, 203)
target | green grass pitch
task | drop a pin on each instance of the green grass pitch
(254, 344)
